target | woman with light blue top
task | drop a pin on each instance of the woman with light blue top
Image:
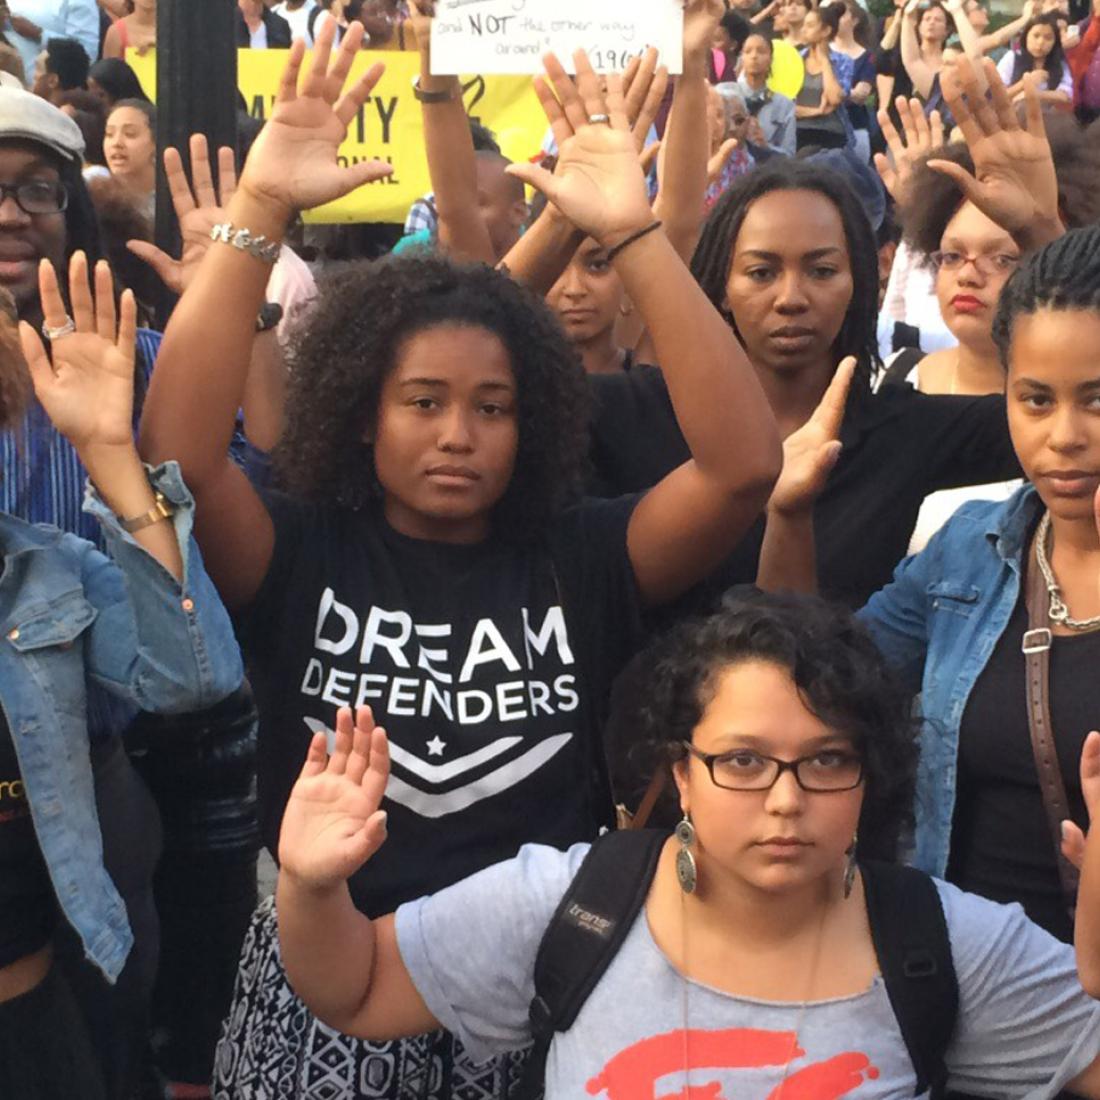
(147, 627)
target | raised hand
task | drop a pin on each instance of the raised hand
(598, 182)
(1014, 183)
(810, 453)
(700, 19)
(293, 164)
(720, 158)
(199, 207)
(333, 824)
(923, 136)
(88, 389)
(419, 21)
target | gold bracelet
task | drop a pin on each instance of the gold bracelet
(162, 509)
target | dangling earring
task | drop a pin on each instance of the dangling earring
(685, 862)
(626, 308)
(850, 869)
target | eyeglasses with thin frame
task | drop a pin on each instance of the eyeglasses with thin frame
(996, 263)
(36, 196)
(825, 771)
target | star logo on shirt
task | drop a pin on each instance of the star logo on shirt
(436, 746)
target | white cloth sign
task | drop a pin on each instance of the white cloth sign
(511, 36)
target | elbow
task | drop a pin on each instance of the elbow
(1088, 970)
(756, 477)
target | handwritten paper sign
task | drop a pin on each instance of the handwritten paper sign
(510, 36)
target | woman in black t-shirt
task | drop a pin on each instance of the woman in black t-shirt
(432, 559)
(789, 259)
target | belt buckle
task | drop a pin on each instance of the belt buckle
(1037, 641)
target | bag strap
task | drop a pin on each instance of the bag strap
(1036, 647)
(911, 941)
(585, 934)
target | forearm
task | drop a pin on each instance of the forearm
(684, 177)
(832, 93)
(1003, 36)
(122, 483)
(1055, 98)
(919, 72)
(327, 948)
(788, 561)
(892, 32)
(810, 112)
(540, 256)
(719, 403)
(969, 39)
(202, 369)
(264, 399)
(452, 167)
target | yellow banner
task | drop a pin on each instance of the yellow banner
(388, 127)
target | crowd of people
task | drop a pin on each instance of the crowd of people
(646, 614)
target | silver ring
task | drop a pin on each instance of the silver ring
(597, 120)
(67, 329)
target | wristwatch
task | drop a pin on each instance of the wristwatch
(451, 94)
(162, 509)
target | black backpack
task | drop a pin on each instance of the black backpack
(589, 926)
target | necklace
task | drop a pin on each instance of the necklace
(1059, 613)
(796, 1030)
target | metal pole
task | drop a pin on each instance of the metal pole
(196, 93)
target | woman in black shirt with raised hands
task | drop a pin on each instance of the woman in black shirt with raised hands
(431, 558)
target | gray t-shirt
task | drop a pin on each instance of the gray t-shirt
(1024, 1028)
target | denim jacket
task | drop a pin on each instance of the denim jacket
(937, 623)
(70, 617)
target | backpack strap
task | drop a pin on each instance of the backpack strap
(914, 953)
(585, 934)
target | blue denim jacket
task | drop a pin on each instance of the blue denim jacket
(937, 623)
(70, 616)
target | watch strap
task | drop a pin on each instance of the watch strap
(162, 509)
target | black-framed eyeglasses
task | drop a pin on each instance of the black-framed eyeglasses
(36, 196)
(997, 263)
(825, 771)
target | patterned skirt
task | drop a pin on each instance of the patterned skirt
(272, 1048)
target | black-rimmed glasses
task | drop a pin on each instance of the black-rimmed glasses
(36, 196)
(827, 770)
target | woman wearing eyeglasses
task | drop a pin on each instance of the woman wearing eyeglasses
(756, 967)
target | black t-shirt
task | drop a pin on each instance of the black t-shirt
(489, 665)
(27, 908)
(1001, 845)
(899, 446)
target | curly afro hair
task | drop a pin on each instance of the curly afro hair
(840, 674)
(350, 342)
(1076, 153)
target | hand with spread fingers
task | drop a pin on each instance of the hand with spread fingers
(293, 164)
(598, 183)
(333, 824)
(88, 388)
(922, 137)
(1014, 182)
(199, 206)
(810, 453)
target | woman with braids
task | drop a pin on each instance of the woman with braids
(996, 620)
(431, 557)
(789, 259)
(759, 964)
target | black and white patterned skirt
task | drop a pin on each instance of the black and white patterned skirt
(272, 1047)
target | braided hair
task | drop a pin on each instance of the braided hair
(1063, 275)
(714, 254)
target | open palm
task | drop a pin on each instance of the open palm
(1014, 182)
(293, 162)
(810, 453)
(88, 388)
(332, 824)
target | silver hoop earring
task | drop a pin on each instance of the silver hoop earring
(850, 868)
(686, 870)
